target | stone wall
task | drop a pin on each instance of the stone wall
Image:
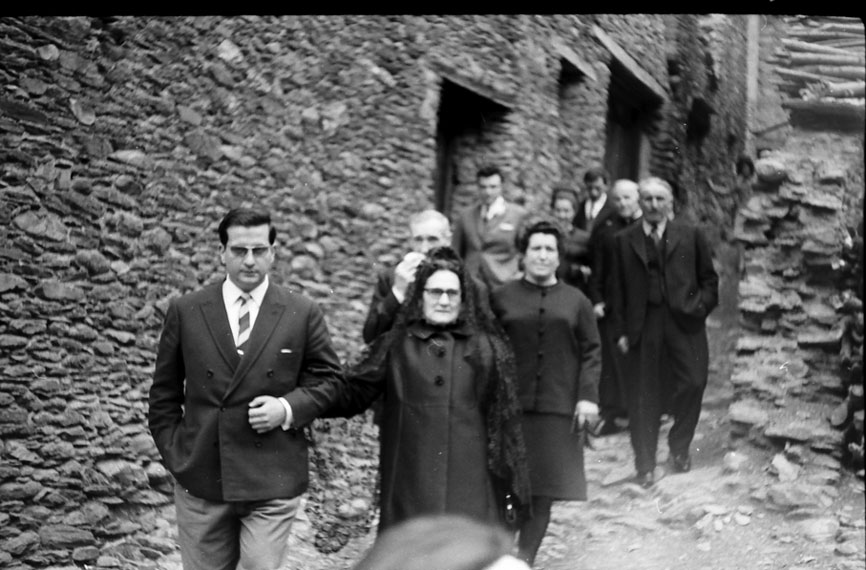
(798, 370)
(123, 140)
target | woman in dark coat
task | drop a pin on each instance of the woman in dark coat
(556, 344)
(574, 267)
(450, 431)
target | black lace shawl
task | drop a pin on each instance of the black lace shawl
(491, 356)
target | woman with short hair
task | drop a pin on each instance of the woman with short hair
(556, 344)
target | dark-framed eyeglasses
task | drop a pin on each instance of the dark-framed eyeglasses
(435, 293)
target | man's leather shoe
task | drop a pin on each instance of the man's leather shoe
(682, 463)
(645, 479)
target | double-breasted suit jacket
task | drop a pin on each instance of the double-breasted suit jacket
(202, 388)
(487, 247)
(690, 281)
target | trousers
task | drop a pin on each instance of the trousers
(668, 368)
(247, 535)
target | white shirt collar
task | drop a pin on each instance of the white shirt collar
(231, 292)
(496, 208)
(594, 207)
(647, 227)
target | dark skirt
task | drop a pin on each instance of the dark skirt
(554, 456)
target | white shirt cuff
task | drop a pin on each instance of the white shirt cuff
(287, 423)
(398, 295)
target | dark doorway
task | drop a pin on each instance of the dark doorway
(572, 98)
(631, 111)
(471, 132)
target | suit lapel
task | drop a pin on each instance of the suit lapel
(637, 239)
(214, 314)
(476, 223)
(269, 315)
(672, 238)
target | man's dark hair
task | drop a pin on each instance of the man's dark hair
(246, 218)
(539, 226)
(594, 174)
(488, 171)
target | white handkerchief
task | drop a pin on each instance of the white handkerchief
(285, 351)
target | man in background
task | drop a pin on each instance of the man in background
(623, 197)
(665, 286)
(484, 232)
(427, 229)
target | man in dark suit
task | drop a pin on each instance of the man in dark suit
(242, 366)
(595, 208)
(427, 229)
(484, 233)
(665, 285)
(623, 196)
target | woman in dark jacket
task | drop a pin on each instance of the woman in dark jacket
(574, 267)
(556, 344)
(450, 431)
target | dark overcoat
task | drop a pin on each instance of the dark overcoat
(433, 434)
(690, 280)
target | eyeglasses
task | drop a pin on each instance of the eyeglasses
(437, 293)
(258, 251)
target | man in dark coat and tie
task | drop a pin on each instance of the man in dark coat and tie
(242, 366)
(665, 286)
(613, 389)
(595, 208)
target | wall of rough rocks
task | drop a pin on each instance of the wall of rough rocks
(123, 140)
(798, 370)
(711, 68)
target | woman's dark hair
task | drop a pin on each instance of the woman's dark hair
(489, 353)
(566, 193)
(437, 542)
(745, 160)
(247, 218)
(538, 226)
(438, 259)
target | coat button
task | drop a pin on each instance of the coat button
(270, 373)
(541, 311)
(215, 444)
(439, 380)
(258, 443)
(210, 373)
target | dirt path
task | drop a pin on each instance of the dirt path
(713, 518)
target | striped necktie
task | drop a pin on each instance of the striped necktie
(243, 322)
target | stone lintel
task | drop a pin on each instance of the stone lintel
(571, 57)
(475, 85)
(629, 63)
